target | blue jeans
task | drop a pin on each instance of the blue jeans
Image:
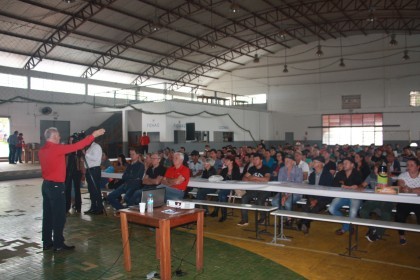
(114, 195)
(293, 198)
(18, 156)
(172, 193)
(336, 205)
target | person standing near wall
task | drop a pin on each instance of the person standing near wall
(93, 157)
(12, 147)
(53, 168)
(19, 146)
(144, 143)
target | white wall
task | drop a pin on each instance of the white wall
(314, 86)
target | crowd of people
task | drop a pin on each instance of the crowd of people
(64, 167)
(343, 166)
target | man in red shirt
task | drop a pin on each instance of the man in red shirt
(176, 178)
(144, 143)
(53, 168)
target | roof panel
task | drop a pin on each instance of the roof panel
(14, 44)
(86, 42)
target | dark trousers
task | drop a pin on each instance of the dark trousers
(54, 213)
(12, 153)
(73, 179)
(93, 178)
(202, 195)
(404, 210)
(144, 149)
(129, 191)
(261, 197)
(18, 154)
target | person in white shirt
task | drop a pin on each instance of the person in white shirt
(93, 157)
(409, 182)
(195, 165)
(302, 165)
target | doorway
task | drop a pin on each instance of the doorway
(4, 134)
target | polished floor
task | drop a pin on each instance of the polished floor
(312, 256)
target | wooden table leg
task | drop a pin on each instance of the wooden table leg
(157, 235)
(199, 244)
(165, 249)
(125, 241)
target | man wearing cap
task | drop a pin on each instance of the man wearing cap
(315, 204)
(348, 178)
(195, 165)
(288, 173)
(329, 165)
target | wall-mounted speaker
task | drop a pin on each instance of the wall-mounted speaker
(190, 127)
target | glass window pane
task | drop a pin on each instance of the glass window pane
(368, 119)
(378, 119)
(357, 119)
(325, 120)
(345, 120)
(334, 120)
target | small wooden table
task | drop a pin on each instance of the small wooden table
(163, 224)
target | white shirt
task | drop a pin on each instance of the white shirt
(410, 182)
(304, 166)
(195, 167)
(93, 156)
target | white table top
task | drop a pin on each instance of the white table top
(288, 187)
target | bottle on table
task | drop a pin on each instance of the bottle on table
(150, 203)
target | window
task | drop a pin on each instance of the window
(415, 98)
(57, 86)
(9, 80)
(352, 129)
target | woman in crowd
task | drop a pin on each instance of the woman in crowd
(230, 172)
(276, 168)
(208, 171)
(361, 165)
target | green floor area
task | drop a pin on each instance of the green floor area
(98, 253)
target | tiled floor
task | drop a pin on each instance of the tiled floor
(98, 253)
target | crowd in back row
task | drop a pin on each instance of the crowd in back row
(350, 167)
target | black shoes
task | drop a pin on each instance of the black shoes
(64, 248)
(47, 247)
(222, 219)
(97, 212)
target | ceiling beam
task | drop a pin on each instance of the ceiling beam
(87, 11)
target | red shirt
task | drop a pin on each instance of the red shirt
(173, 173)
(144, 140)
(52, 158)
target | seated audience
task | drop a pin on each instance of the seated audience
(361, 165)
(276, 168)
(289, 173)
(392, 164)
(152, 178)
(256, 173)
(176, 178)
(348, 178)
(316, 204)
(381, 209)
(195, 164)
(207, 173)
(409, 182)
(302, 164)
(132, 181)
(230, 172)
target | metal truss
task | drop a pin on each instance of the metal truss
(352, 17)
(89, 10)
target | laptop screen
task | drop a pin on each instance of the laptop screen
(158, 196)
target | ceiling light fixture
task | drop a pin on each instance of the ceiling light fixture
(234, 8)
(282, 35)
(156, 25)
(285, 61)
(342, 64)
(256, 58)
(371, 16)
(393, 42)
(319, 52)
(69, 1)
(406, 56)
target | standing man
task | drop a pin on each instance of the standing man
(12, 147)
(93, 157)
(73, 178)
(144, 143)
(53, 167)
